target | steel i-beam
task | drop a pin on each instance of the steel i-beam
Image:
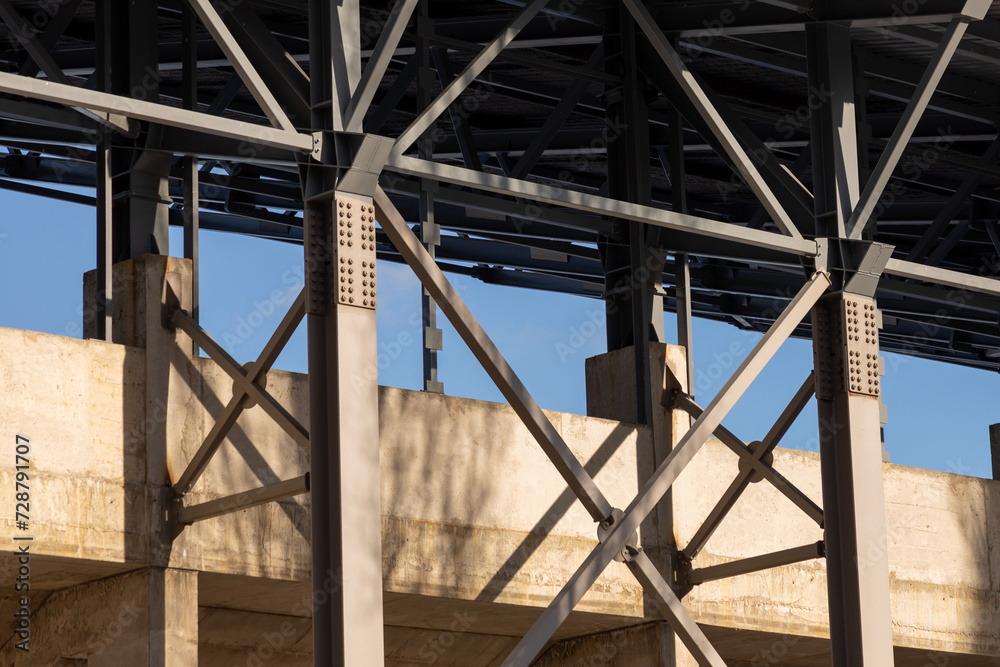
(846, 350)
(341, 296)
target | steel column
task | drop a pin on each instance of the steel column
(833, 127)
(190, 162)
(673, 161)
(103, 302)
(633, 269)
(343, 365)
(995, 449)
(845, 343)
(343, 386)
(430, 232)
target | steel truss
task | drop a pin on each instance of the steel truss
(312, 117)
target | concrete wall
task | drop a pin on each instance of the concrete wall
(475, 519)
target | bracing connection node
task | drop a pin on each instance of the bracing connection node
(604, 529)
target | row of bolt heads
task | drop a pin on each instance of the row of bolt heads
(347, 279)
(872, 370)
(347, 227)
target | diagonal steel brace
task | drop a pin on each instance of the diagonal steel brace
(531, 414)
(664, 476)
(770, 441)
(754, 461)
(286, 421)
(236, 404)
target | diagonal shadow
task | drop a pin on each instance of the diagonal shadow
(529, 545)
(241, 442)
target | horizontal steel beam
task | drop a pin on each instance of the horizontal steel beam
(603, 205)
(244, 500)
(945, 277)
(757, 563)
(73, 96)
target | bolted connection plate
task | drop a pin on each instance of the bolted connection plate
(355, 252)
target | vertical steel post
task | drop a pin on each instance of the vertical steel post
(104, 298)
(343, 369)
(833, 127)
(633, 270)
(845, 340)
(995, 449)
(682, 270)
(105, 235)
(430, 232)
(141, 214)
(846, 355)
(190, 162)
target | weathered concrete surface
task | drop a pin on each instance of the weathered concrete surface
(477, 526)
(473, 509)
(143, 618)
(943, 538)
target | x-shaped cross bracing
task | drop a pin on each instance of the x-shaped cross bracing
(619, 528)
(247, 388)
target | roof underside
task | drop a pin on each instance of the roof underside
(943, 211)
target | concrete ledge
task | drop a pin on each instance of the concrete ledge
(474, 516)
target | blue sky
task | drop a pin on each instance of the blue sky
(938, 414)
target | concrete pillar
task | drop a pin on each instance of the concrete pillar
(143, 288)
(146, 618)
(995, 449)
(611, 395)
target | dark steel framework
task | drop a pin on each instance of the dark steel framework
(810, 168)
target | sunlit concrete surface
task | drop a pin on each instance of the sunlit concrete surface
(479, 532)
